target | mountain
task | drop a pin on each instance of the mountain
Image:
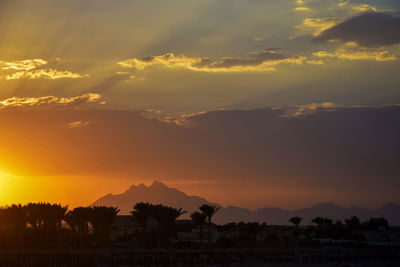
(158, 193)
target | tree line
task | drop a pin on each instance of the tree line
(46, 224)
(55, 225)
(42, 224)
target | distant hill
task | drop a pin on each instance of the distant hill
(158, 193)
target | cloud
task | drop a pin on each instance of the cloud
(50, 74)
(358, 54)
(49, 102)
(264, 61)
(315, 26)
(27, 64)
(357, 7)
(315, 62)
(77, 124)
(302, 8)
(28, 69)
(367, 30)
(304, 110)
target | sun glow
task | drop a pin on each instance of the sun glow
(6, 180)
(72, 189)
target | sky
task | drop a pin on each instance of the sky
(279, 103)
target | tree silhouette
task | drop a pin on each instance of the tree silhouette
(199, 219)
(209, 211)
(102, 218)
(353, 223)
(164, 216)
(45, 219)
(16, 218)
(376, 223)
(59, 212)
(296, 221)
(318, 221)
(69, 218)
(322, 222)
(79, 219)
(141, 214)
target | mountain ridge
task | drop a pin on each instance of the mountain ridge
(159, 193)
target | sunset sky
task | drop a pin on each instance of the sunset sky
(253, 103)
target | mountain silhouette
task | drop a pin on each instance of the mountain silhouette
(156, 193)
(159, 193)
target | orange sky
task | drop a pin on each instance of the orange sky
(249, 103)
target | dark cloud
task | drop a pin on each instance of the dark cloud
(369, 30)
(255, 60)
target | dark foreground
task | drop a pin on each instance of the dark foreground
(385, 257)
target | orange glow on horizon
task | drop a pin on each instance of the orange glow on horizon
(73, 191)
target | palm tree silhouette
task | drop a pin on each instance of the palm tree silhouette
(16, 218)
(45, 219)
(318, 221)
(141, 214)
(59, 212)
(296, 221)
(353, 223)
(69, 218)
(164, 215)
(199, 219)
(209, 211)
(79, 219)
(101, 219)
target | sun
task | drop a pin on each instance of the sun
(6, 188)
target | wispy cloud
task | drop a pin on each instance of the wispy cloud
(31, 69)
(302, 8)
(357, 7)
(308, 109)
(355, 53)
(78, 124)
(314, 26)
(51, 74)
(49, 101)
(264, 61)
(28, 64)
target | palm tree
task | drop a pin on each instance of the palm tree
(318, 221)
(16, 217)
(353, 223)
(33, 215)
(70, 220)
(59, 212)
(199, 219)
(164, 216)
(209, 211)
(80, 217)
(296, 221)
(141, 214)
(102, 219)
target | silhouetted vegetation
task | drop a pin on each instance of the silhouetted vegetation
(164, 218)
(199, 219)
(45, 225)
(52, 225)
(209, 211)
